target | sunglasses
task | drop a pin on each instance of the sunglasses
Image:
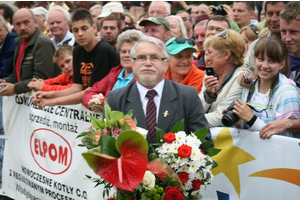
(254, 29)
(223, 34)
(182, 40)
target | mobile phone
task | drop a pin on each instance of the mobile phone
(246, 79)
(210, 71)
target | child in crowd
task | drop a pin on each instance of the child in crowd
(63, 57)
(271, 96)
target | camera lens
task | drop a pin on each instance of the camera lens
(230, 118)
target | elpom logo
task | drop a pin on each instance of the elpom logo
(51, 151)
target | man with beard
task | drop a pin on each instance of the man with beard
(155, 100)
(32, 58)
(109, 28)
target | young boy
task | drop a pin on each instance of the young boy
(92, 60)
(63, 57)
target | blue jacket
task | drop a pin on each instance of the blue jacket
(7, 55)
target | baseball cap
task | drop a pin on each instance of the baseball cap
(39, 11)
(110, 8)
(156, 20)
(176, 45)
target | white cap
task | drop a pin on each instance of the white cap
(39, 11)
(110, 8)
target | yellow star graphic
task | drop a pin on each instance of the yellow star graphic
(229, 158)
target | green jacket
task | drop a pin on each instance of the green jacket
(36, 63)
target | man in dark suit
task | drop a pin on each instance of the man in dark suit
(173, 101)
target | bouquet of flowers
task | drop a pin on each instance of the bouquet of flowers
(188, 157)
(118, 153)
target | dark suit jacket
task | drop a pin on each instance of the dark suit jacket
(181, 101)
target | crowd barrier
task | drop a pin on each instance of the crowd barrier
(42, 160)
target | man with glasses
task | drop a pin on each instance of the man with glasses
(216, 25)
(167, 101)
(159, 9)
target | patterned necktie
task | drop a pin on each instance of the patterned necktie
(151, 115)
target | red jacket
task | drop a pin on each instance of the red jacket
(60, 82)
(104, 86)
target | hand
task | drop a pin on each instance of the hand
(210, 12)
(96, 100)
(42, 102)
(211, 83)
(273, 128)
(2, 81)
(241, 79)
(36, 84)
(40, 95)
(229, 11)
(242, 110)
(8, 90)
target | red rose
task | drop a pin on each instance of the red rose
(184, 177)
(196, 184)
(184, 151)
(202, 151)
(173, 193)
(111, 198)
(169, 137)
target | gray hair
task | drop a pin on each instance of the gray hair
(3, 21)
(180, 23)
(154, 41)
(202, 23)
(61, 9)
(167, 6)
(130, 36)
(95, 7)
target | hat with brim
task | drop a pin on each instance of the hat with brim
(156, 20)
(111, 7)
(174, 48)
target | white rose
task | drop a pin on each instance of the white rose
(142, 131)
(149, 180)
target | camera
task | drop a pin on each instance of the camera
(230, 118)
(210, 71)
(219, 10)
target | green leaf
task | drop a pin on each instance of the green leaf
(107, 111)
(201, 133)
(115, 115)
(174, 183)
(205, 146)
(215, 164)
(159, 135)
(166, 180)
(108, 146)
(179, 126)
(125, 126)
(98, 124)
(213, 151)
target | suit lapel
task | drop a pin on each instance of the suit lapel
(167, 106)
(134, 103)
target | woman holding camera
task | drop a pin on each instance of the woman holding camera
(181, 67)
(271, 96)
(224, 52)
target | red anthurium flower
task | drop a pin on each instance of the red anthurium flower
(127, 171)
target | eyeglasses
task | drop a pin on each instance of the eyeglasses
(211, 28)
(144, 58)
(184, 19)
(254, 29)
(223, 34)
(182, 40)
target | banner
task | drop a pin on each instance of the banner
(42, 159)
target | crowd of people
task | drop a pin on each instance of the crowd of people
(195, 64)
